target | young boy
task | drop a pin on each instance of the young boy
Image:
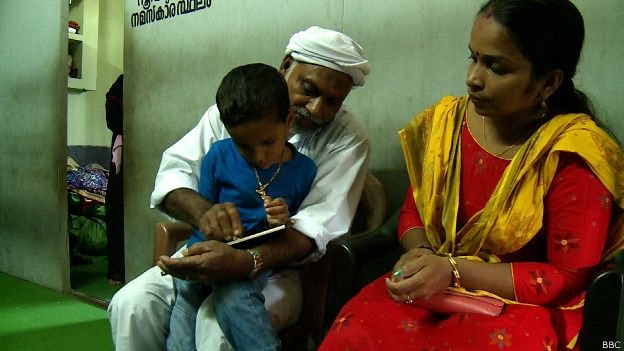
(260, 173)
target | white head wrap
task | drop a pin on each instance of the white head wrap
(331, 49)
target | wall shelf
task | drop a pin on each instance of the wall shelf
(75, 37)
(83, 46)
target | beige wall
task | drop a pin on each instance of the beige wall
(34, 131)
(33, 202)
(417, 49)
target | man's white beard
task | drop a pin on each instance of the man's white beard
(302, 112)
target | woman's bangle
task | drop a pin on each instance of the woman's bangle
(456, 276)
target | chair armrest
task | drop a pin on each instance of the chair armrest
(357, 249)
(372, 209)
(357, 260)
(167, 235)
(603, 311)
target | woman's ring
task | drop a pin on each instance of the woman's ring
(408, 299)
(397, 274)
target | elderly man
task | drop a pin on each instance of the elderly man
(321, 67)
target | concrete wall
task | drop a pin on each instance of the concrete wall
(33, 96)
(34, 131)
(417, 49)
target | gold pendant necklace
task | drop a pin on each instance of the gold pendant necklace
(262, 187)
(507, 148)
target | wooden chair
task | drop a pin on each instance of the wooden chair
(317, 276)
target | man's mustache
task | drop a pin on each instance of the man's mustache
(303, 112)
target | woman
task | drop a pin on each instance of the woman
(513, 190)
(114, 192)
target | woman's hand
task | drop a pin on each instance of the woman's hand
(221, 222)
(276, 210)
(419, 274)
(412, 254)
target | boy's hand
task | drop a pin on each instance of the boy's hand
(276, 210)
(221, 222)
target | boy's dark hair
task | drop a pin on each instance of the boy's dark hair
(252, 92)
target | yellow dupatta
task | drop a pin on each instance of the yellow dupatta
(514, 213)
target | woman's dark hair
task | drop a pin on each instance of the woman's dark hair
(252, 92)
(550, 34)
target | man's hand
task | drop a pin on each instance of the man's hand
(221, 222)
(209, 262)
(276, 210)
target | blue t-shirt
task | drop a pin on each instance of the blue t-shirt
(226, 176)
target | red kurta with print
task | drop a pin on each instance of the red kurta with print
(551, 270)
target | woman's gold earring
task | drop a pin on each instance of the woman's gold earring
(544, 107)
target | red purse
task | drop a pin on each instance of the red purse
(450, 301)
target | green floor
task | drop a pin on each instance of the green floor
(90, 279)
(35, 318)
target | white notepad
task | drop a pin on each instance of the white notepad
(257, 235)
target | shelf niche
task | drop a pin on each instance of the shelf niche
(83, 45)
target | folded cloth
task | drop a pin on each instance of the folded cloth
(330, 49)
(90, 181)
